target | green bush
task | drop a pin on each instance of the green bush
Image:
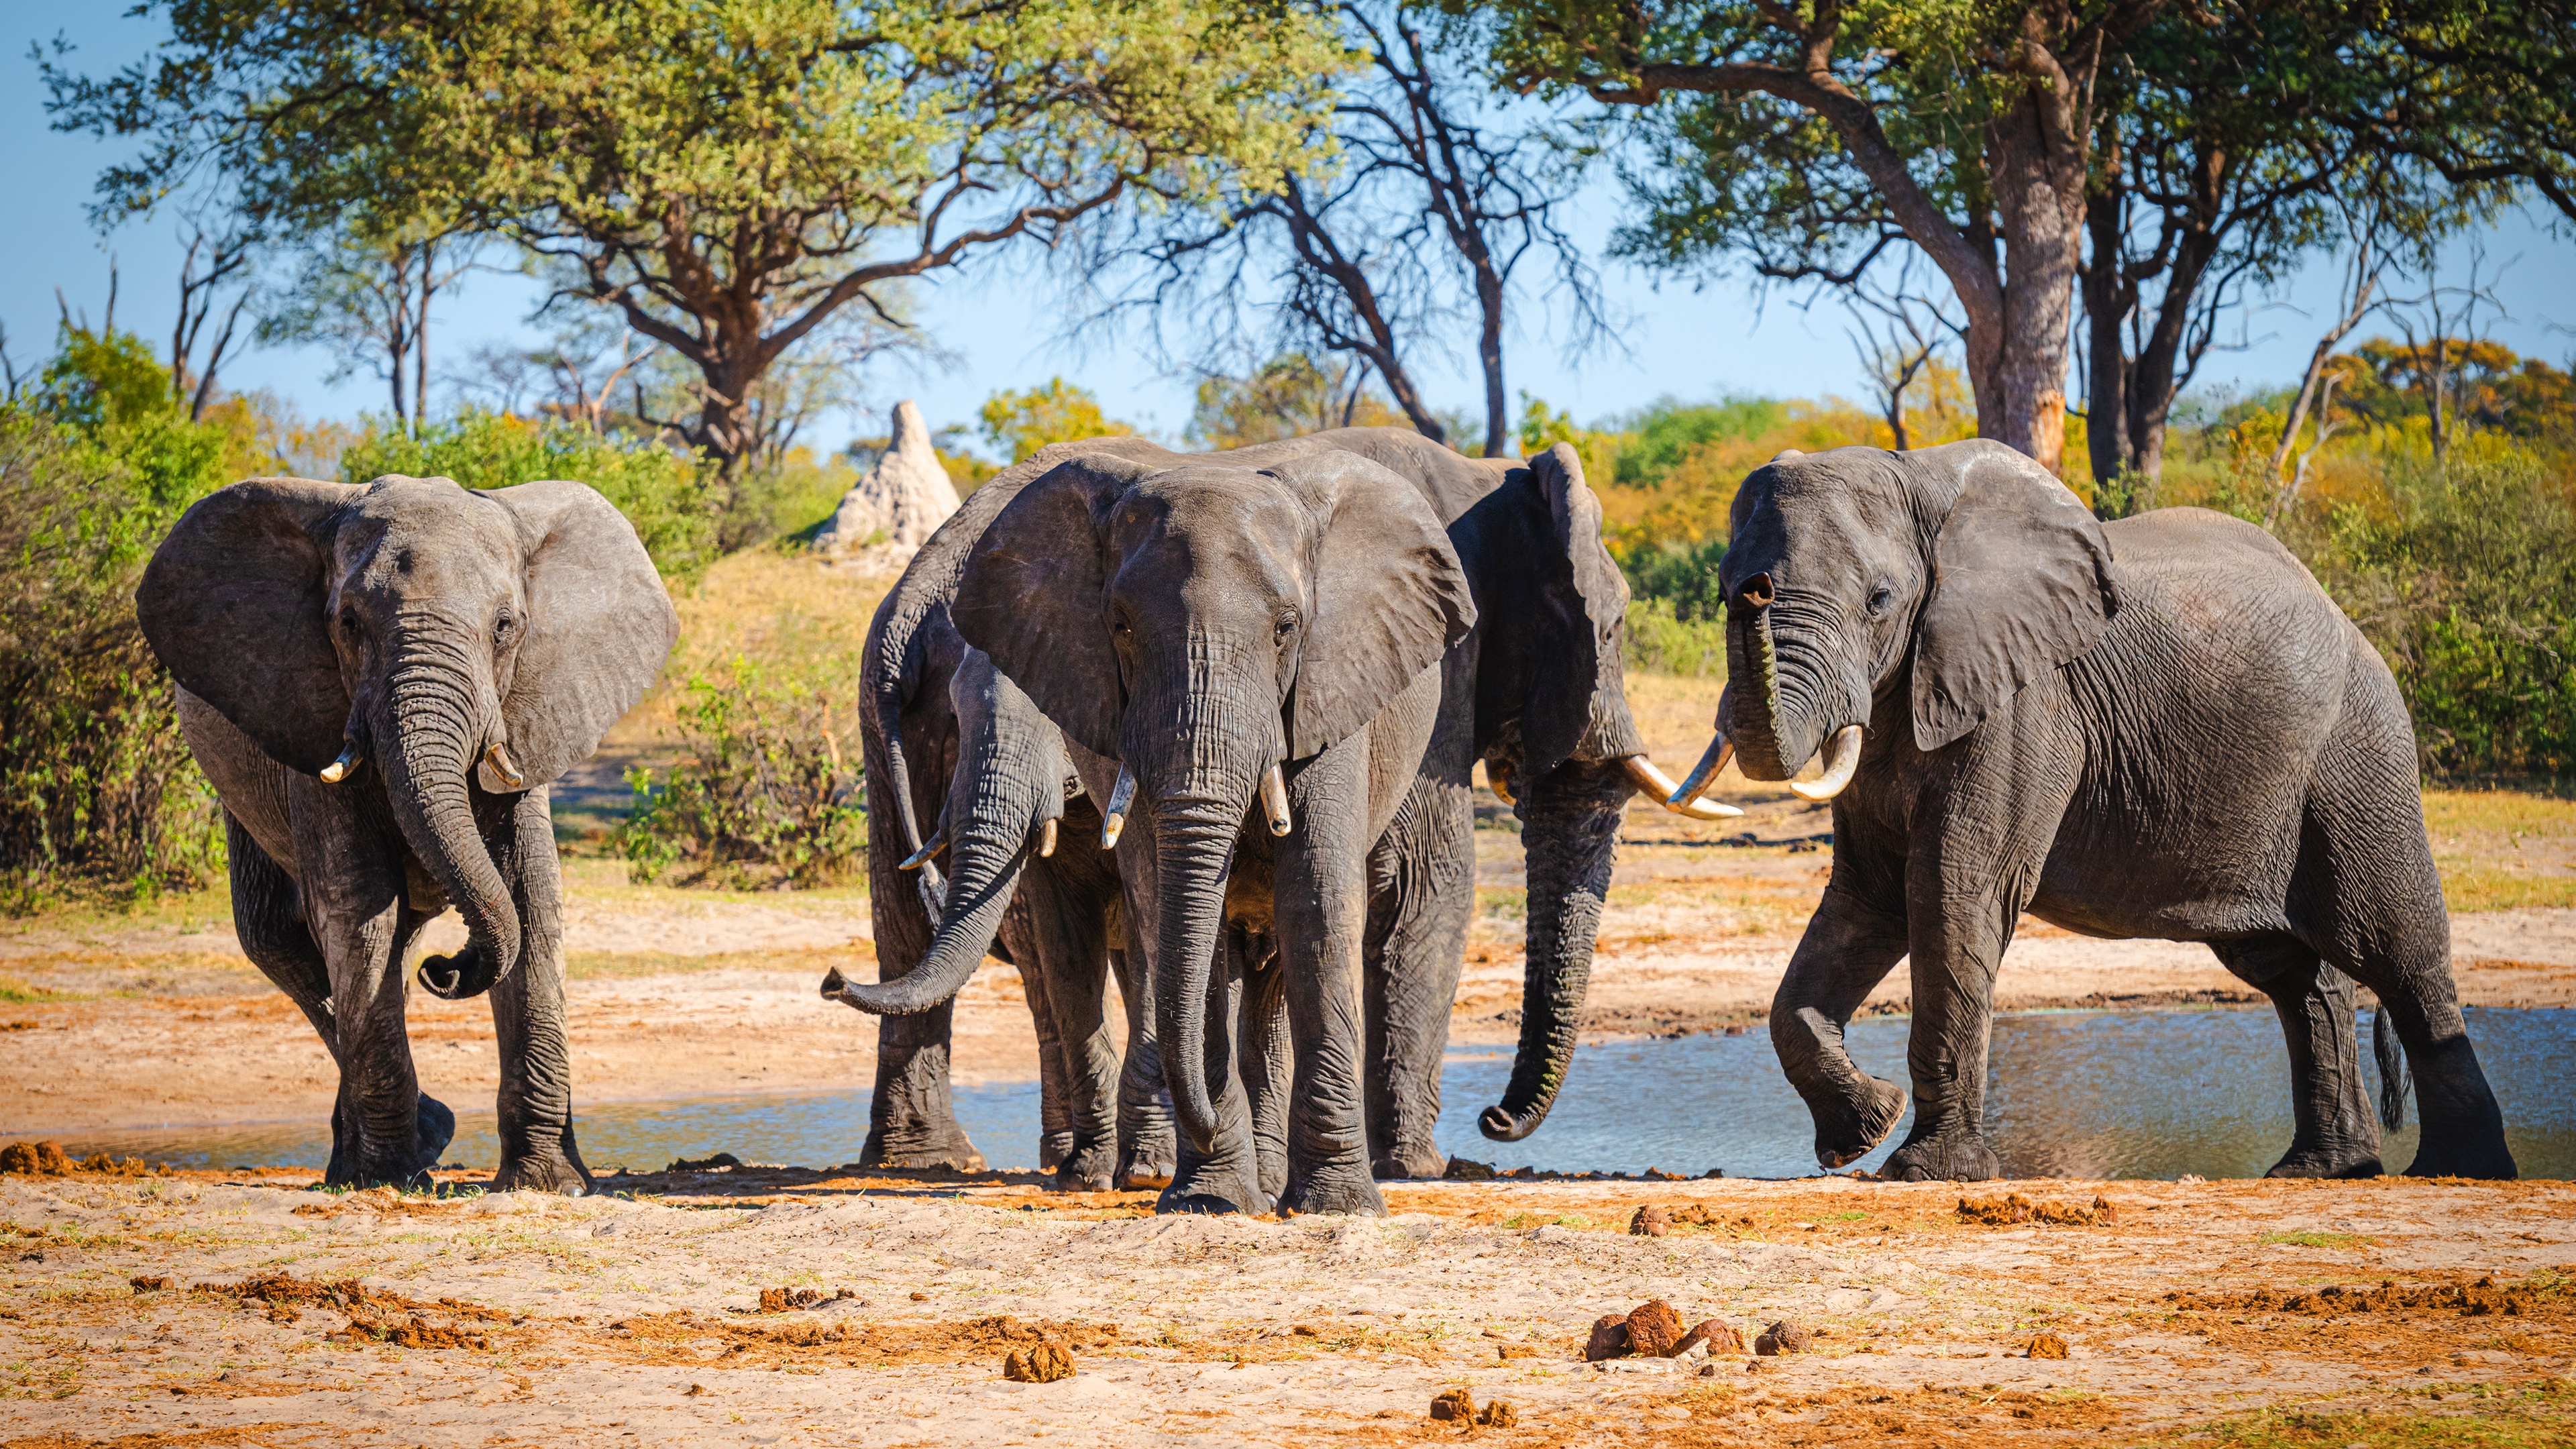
(96, 786)
(769, 794)
(1681, 575)
(663, 493)
(2466, 582)
(1659, 643)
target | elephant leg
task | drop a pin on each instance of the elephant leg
(1227, 1177)
(2335, 1134)
(268, 920)
(1269, 1066)
(353, 904)
(535, 1105)
(1148, 1145)
(1319, 901)
(1849, 947)
(1422, 898)
(1069, 947)
(1055, 1120)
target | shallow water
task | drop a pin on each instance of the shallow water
(2070, 1094)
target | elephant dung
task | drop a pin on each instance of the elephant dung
(1654, 1329)
(1497, 1415)
(1716, 1335)
(1783, 1337)
(1043, 1364)
(2046, 1345)
(37, 1159)
(1649, 1221)
(1609, 1338)
(1454, 1406)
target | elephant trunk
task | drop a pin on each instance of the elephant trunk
(1194, 858)
(992, 831)
(1570, 823)
(436, 738)
(1749, 711)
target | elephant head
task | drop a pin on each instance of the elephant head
(463, 644)
(1206, 624)
(1968, 564)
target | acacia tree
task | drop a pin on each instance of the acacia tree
(1811, 138)
(726, 176)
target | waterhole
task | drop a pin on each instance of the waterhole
(2150, 1094)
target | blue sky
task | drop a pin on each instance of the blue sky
(1000, 322)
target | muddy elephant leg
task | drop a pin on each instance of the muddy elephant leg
(355, 910)
(1018, 936)
(1320, 903)
(1227, 1177)
(1956, 940)
(1849, 947)
(1422, 898)
(535, 1105)
(2335, 1134)
(1069, 945)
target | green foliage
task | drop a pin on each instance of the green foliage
(1668, 431)
(2465, 579)
(663, 493)
(771, 791)
(1680, 576)
(1660, 643)
(1289, 396)
(1020, 423)
(97, 789)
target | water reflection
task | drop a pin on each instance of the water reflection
(2072, 1094)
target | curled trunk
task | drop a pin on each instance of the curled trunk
(429, 739)
(1570, 826)
(986, 853)
(1194, 858)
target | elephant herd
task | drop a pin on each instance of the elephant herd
(1208, 723)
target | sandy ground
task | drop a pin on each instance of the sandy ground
(211, 1309)
(685, 994)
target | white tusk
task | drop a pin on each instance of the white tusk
(1660, 785)
(1274, 800)
(338, 770)
(1114, 819)
(1046, 836)
(937, 842)
(499, 756)
(1704, 774)
(1498, 778)
(1842, 757)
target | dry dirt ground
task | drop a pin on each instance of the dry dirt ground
(221, 1309)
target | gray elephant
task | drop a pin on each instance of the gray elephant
(1233, 634)
(2159, 727)
(1534, 689)
(380, 680)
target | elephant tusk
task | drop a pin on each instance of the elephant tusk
(1046, 836)
(1703, 774)
(937, 842)
(338, 770)
(1842, 757)
(1274, 800)
(1660, 785)
(1114, 819)
(1498, 778)
(498, 754)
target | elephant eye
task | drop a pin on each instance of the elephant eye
(502, 629)
(349, 622)
(1879, 598)
(1286, 626)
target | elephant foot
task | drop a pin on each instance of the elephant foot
(1849, 1130)
(1054, 1150)
(922, 1149)
(2325, 1163)
(433, 1127)
(1421, 1162)
(1148, 1166)
(1961, 1158)
(2446, 1155)
(542, 1172)
(1332, 1191)
(1087, 1169)
(1213, 1191)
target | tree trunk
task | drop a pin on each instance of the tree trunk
(2037, 166)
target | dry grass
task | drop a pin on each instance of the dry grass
(2499, 849)
(780, 607)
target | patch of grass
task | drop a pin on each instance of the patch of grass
(606, 965)
(2502, 849)
(2339, 1242)
(2486, 1416)
(20, 993)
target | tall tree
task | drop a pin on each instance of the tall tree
(370, 297)
(214, 261)
(726, 174)
(1444, 194)
(1810, 138)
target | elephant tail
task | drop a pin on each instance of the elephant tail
(2393, 1080)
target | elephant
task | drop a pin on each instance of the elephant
(381, 681)
(2157, 727)
(1234, 634)
(1535, 690)
(946, 739)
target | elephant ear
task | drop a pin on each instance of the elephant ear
(234, 604)
(1390, 598)
(599, 626)
(1033, 591)
(2021, 584)
(1576, 689)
